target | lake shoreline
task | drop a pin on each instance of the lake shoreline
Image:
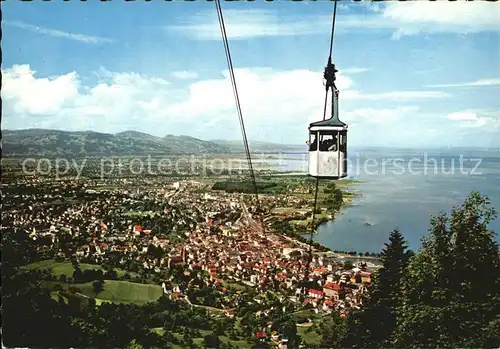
(298, 219)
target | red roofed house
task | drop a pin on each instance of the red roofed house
(334, 291)
(319, 271)
(329, 303)
(315, 293)
(281, 276)
(261, 335)
(137, 229)
(365, 277)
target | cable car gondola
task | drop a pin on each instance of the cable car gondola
(328, 138)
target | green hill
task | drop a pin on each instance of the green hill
(44, 142)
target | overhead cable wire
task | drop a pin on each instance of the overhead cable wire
(238, 104)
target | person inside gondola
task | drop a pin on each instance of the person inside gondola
(323, 145)
(314, 145)
(332, 145)
(329, 144)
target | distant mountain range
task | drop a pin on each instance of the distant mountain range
(258, 146)
(43, 142)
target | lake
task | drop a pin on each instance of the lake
(402, 188)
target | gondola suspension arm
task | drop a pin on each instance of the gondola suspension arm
(330, 70)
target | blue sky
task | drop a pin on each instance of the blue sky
(414, 74)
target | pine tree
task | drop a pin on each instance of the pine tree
(452, 290)
(373, 326)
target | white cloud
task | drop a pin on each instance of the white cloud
(426, 17)
(403, 18)
(479, 122)
(488, 120)
(416, 17)
(273, 107)
(477, 83)
(26, 94)
(462, 116)
(261, 91)
(243, 24)
(185, 74)
(117, 100)
(58, 33)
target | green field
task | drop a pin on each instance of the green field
(304, 314)
(308, 221)
(59, 268)
(114, 291)
(308, 337)
(123, 292)
(234, 285)
(66, 268)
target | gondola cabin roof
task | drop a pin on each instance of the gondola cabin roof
(332, 123)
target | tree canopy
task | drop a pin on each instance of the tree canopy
(446, 295)
(451, 291)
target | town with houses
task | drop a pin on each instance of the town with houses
(211, 238)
